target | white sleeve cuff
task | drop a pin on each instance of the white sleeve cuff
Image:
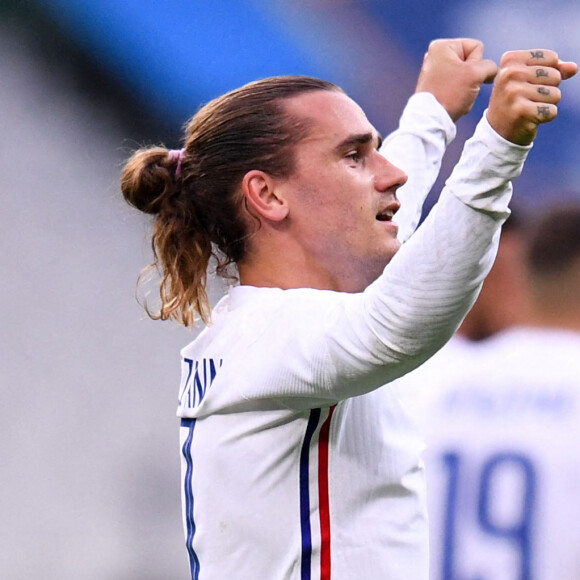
(482, 177)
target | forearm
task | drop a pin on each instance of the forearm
(417, 146)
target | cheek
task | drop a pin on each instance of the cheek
(357, 219)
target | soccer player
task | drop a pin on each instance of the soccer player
(503, 476)
(296, 463)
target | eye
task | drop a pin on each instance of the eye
(354, 156)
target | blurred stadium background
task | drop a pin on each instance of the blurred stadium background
(89, 450)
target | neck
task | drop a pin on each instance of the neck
(290, 266)
(280, 272)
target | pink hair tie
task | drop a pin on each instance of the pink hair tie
(177, 155)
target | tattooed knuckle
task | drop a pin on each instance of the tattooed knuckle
(544, 112)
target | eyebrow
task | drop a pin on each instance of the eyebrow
(360, 139)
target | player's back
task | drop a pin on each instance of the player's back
(503, 465)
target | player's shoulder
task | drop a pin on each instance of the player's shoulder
(249, 313)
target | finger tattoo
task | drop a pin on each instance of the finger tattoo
(540, 73)
(543, 111)
(543, 91)
(537, 54)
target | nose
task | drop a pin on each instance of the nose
(387, 175)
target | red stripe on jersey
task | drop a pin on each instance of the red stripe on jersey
(324, 507)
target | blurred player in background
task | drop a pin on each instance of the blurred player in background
(501, 424)
(296, 463)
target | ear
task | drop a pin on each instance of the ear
(258, 188)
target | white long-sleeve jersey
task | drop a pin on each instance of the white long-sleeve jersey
(297, 463)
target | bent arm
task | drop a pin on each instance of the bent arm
(429, 286)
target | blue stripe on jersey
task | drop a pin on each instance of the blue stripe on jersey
(305, 495)
(193, 559)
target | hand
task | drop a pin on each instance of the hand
(525, 93)
(454, 70)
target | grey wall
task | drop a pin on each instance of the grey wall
(89, 445)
